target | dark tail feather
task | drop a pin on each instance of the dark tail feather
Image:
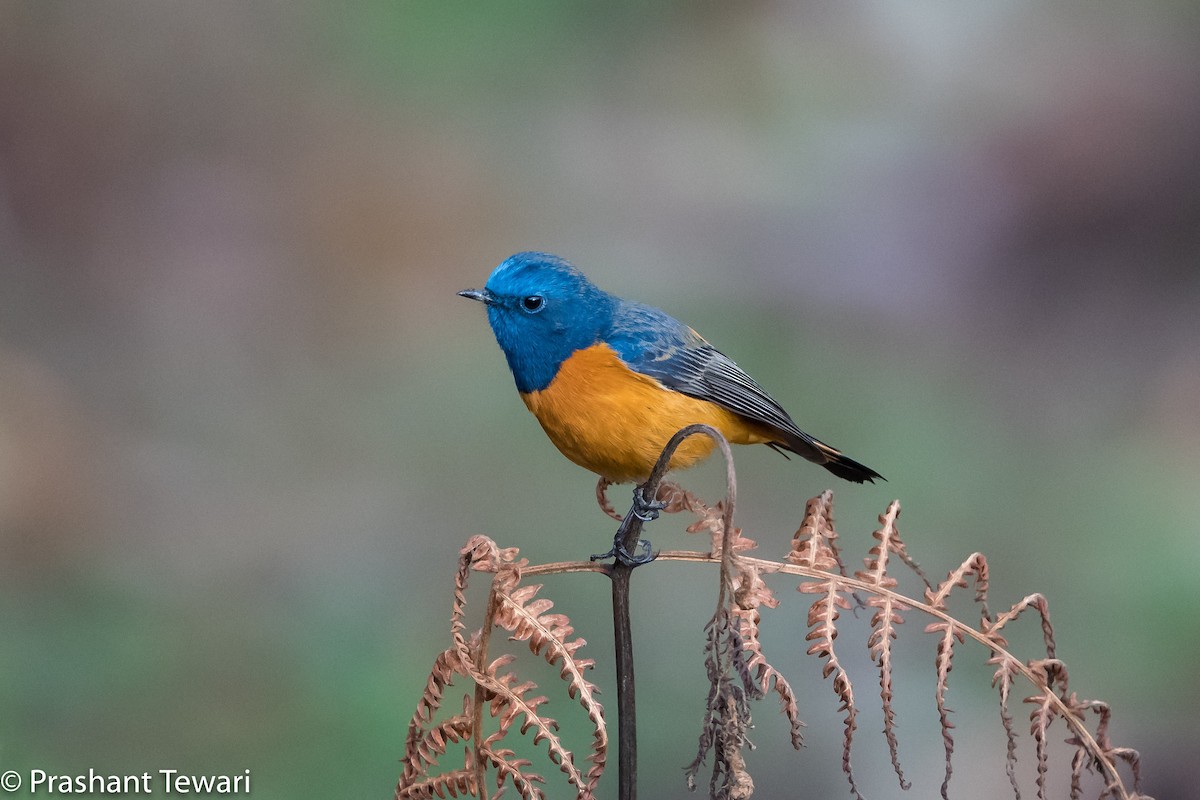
(851, 470)
(820, 453)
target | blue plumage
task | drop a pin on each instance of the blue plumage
(542, 310)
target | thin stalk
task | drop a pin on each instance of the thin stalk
(620, 572)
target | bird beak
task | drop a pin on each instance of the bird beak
(482, 295)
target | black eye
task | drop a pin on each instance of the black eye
(533, 303)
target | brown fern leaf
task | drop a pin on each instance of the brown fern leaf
(1134, 760)
(737, 665)
(423, 747)
(1040, 718)
(508, 701)
(749, 595)
(448, 784)
(944, 660)
(445, 667)
(1051, 672)
(974, 566)
(813, 544)
(884, 622)
(1078, 760)
(415, 745)
(1006, 669)
(1007, 666)
(710, 518)
(1083, 755)
(731, 644)
(458, 728)
(512, 769)
(883, 631)
(528, 619)
(888, 543)
(678, 499)
(1082, 758)
(822, 619)
(726, 713)
(1038, 603)
(479, 554)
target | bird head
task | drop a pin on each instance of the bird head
(542, 309)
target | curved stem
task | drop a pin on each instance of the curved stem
(626, 541)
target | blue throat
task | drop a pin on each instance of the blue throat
(576, 315)
(535, 360)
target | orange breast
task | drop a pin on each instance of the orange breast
(613, 421)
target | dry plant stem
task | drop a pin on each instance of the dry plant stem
(626, 704)
(620, 572)
(481, 663)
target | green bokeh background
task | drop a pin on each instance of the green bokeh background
(245, 424)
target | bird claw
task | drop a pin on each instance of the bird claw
(646, 510)
(643, 554)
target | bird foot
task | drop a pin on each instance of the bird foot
(642, 555)
(646, 510)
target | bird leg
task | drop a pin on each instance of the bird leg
(644, 511)
(643, 554)
(602, 498)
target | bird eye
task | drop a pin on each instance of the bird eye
(533, 303)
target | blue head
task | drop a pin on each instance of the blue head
(542, 310)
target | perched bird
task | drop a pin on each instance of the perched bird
(611, 380)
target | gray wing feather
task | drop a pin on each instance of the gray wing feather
(655, 344)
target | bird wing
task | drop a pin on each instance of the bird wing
(653, 343)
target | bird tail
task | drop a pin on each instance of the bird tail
(851, 470)
(830, 458)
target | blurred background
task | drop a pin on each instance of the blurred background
(245, 424)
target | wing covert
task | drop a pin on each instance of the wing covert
(656, 344)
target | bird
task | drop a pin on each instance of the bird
(611, 380)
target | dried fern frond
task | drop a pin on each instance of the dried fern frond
(729, 636)
(948, 634)
(814, 548)
(823, 615)
(1007, 668)
(528, 619)
(1084, 757)
(460, 782)
(507, 699)
(726, 713)
(737, 665)
(814, 555)
(885, 620)
(814, 544)
(750, 594)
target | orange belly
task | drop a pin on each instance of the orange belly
(615, 422)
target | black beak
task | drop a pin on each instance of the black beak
(482, 295)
